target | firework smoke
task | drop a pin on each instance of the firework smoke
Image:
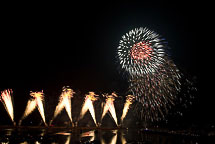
(153, 77)
(7, 102)
(88, 105)
(128, 102)
(64, 102)
(109, 106)
(36, 101)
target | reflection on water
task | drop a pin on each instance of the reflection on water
(26, 135)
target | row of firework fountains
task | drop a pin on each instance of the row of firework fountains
(37, 98)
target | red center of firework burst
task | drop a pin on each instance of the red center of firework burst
(141, 51)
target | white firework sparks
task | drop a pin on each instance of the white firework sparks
(141, 51)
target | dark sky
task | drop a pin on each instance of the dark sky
(43, 45)
(47, 46)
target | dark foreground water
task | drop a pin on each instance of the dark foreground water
(66, 135)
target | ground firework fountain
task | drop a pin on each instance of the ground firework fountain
(88, 105)
(128, 102)
(7, 102)
(36, 101)
(64, 102)
(109, 106)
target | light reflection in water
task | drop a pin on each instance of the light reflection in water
(67, 136)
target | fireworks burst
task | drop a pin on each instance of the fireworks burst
(141, 52)
(7, 102)
(153, 77)
(37, 101)
(128, 102)
(64, 102)
(109, 106)
(88, 105)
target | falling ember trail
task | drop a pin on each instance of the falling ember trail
(64, 102)
(7, 102)
(88, 105)
(128, 102)
(32, 103)
(109, 106)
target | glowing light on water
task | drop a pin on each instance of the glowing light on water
(123, 140)
(68, 139)
(113, 139)
(128, 102)
(37, 101)
(109, 106)
(7, 102)
(64, 102)
(89, 134)
(88, 105)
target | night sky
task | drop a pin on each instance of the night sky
(48, 46)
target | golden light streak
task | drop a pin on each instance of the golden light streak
(128, 102)
(7, 102)
(64, 102)
(63, 133)
(109, 106)
(88, 105)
